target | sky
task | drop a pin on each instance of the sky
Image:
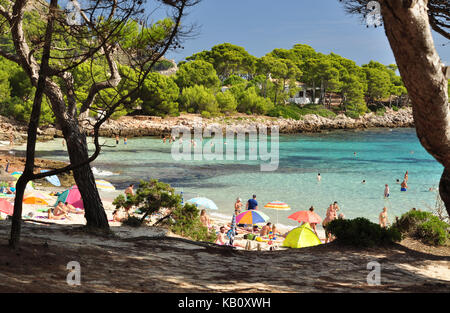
(262, 25)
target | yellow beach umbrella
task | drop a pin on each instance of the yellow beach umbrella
(301, 237)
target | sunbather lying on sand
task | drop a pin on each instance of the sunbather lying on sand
(73, 209)
(57, 214)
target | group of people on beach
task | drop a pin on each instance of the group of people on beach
(62, 210)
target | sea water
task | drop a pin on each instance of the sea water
(343, 158)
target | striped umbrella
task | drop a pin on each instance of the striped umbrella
(103, 184)
(251, 217)
(278, 206)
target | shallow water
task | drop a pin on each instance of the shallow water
(382, 156)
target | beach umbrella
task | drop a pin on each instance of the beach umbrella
(232, 232)
(306, 217)
(103, 184)
(203, 202)
(71, 196)
(30, 185)
(35, 197)
(251, 217)
(278, 206)
(6, 207)
(54, 180)
(301, 237)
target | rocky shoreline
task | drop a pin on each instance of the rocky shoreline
(139, 126)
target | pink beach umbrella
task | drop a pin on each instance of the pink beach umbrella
(6, 207)
(306, 217)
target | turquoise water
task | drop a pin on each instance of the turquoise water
(382, 156)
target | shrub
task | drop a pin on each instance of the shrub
(361, 232)
(186, 222)
(352, 114)
(132, 221)
(226, 101)
(395, 108)
(150, 197)
(198, 98)
(206, 114)
(381, 111)
(423, 226)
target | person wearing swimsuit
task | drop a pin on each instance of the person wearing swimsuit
(383, 218)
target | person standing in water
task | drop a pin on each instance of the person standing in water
(125, 139)
(117, 139)
(386, 191)
(383, 218)
(403, 186)
(319, 177)
(406, 177)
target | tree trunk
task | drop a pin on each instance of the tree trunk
(444, 188)
(78, 152)
(424, 75)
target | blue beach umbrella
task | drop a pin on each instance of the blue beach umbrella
(203, 202)
(54, 180)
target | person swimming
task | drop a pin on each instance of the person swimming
(403, 186)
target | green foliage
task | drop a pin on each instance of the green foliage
(159, 95)
(361, 232)
(228, 59)
(233, 80)
(287, 111)
(251, 103)
(197, 99)
(186, 222)
(227, 102)
(197, 72)
(132, 221)
(150, 197)
(424, 226)
(381, 111)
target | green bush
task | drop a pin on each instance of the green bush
(206, 114)
(352, 114)
(361, 232)
(395, 108)
(424, 226)
(295, 112)
(186, 222)
(381, 111)
(132, 221)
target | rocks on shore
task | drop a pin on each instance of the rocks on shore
(138, 126)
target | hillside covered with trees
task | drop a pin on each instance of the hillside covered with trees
(227, 79)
